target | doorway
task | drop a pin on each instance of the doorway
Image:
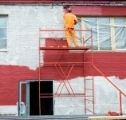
(46, 103)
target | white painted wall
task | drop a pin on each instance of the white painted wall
(106, 97)
(24, 22)
(8, 110)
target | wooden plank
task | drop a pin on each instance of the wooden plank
(64, 48)
(107, 118)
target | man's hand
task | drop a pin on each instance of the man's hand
(75, 22)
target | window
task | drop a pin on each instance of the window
(3, 32)
(109, 33)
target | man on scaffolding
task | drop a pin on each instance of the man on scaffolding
(69, 21)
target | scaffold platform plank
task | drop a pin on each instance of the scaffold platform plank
(65, 48)
(107, 118)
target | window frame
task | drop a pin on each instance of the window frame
(5, 49)
(112, 30)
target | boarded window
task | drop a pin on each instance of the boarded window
(109, 33)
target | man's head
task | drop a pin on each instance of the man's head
(69, 10)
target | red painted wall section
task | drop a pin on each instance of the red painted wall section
(9, 77)
(110, 63)
(99, 10)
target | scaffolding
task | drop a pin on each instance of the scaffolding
(86, 45)
(86, 65)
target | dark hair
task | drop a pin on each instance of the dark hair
(69, 10)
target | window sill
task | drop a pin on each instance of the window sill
(3, 50)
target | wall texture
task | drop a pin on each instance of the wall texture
(20, 62)
(100, 10)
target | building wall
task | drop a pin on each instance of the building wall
(21, 56)
(20, 62)
(100, 10)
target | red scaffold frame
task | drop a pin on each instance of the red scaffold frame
(63, 76)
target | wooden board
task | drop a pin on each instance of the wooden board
(107, 118)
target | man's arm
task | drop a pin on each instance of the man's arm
(75, 20)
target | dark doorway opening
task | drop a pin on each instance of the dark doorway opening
(46, 103)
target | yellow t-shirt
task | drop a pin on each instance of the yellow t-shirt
(69, 20)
